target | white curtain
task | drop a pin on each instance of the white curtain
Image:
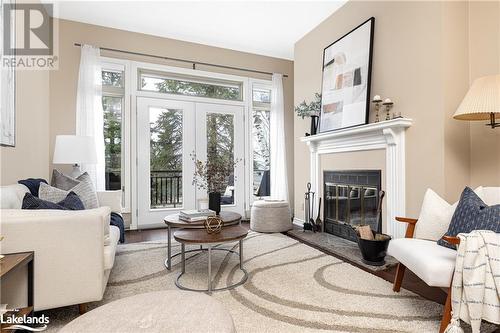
(279, 181)
(89, 113)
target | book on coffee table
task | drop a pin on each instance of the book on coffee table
(195, 215)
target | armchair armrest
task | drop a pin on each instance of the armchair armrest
(406, 220)
(451, 240)
(410, 229)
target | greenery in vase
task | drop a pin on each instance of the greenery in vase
(213, 175)
(312, 109)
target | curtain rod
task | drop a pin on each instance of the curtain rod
(194, 63)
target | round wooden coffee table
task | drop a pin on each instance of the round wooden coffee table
(200, 237)
(172, 221)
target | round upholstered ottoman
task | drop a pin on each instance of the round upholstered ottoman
(162, 311)
(270, 216)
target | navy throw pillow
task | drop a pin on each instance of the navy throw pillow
(71, 202)
(33, 184)
(472, 214)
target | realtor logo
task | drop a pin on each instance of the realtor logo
(28, 38)
(33, 25)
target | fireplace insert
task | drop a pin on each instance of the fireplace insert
(351, 199)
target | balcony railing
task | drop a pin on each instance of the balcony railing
(166, 188)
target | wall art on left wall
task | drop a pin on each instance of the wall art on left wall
(7, 89)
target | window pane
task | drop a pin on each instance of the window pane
(191, 88)
(112, 107)
(261, 95)
(165, 157)
(220, 151)
(112, 78)
(261, 153)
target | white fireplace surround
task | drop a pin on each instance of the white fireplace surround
(388, 135)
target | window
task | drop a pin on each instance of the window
(261, 107)
(189, 86)
(113, 92)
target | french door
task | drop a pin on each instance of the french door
(169, 134)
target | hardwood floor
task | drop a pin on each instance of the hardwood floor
(410, 281)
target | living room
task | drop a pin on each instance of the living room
(289, 165)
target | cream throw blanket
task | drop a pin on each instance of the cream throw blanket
(475, 293)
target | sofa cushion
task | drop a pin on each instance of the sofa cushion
(435, 217)
(111, 199)
(490, 195)
(472, 214)
(432, 263)
(84, 190)
(70, 202)
(33, 184)
(62, 181)
(11, 196)
(110, 248)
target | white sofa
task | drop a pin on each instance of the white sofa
(74, 250)
(432, 263)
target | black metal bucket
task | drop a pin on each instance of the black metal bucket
(374, 251)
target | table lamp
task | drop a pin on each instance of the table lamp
(74, 149)
(482, 101)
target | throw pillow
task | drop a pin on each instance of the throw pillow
(32, 184)
(62, 181)
(84, 190)
(472, 214)
(70, 202)
(435, 217)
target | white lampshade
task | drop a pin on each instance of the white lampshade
(482, 101)
(74, 149)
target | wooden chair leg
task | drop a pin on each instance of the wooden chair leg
(400, 272)
(446, 313)
(82, 308)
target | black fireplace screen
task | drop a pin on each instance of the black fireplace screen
(351, 199)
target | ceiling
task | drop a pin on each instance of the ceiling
(263, 27)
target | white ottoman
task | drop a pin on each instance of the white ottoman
(270, 216)
(162, 311)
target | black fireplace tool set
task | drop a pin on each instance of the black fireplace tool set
(309, 222)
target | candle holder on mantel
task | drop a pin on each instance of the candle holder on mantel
(377, 100)
(388, 106)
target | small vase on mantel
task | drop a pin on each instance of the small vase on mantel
(214, 202)
(314, 124)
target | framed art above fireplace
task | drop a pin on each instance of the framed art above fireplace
(345, 89)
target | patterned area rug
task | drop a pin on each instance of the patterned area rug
(291, 288)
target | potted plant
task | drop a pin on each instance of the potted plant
(212, 175)
(310, 110)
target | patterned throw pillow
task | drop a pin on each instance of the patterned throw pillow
(472, 214)
(84, 189)
(32, 184)
(70, 202)
(62, 181)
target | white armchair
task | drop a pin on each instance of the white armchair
(74, 250)
(432, 263)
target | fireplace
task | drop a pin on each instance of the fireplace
(351, 199)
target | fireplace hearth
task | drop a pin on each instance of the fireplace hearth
(351, 199)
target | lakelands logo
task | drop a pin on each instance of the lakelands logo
(12, 322)
(28, 36)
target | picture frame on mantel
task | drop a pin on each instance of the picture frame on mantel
(345, 89)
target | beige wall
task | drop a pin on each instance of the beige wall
(484, 36)
(63, 82)
(30, 156)
(420, 60)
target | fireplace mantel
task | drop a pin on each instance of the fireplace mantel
(388, 135)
